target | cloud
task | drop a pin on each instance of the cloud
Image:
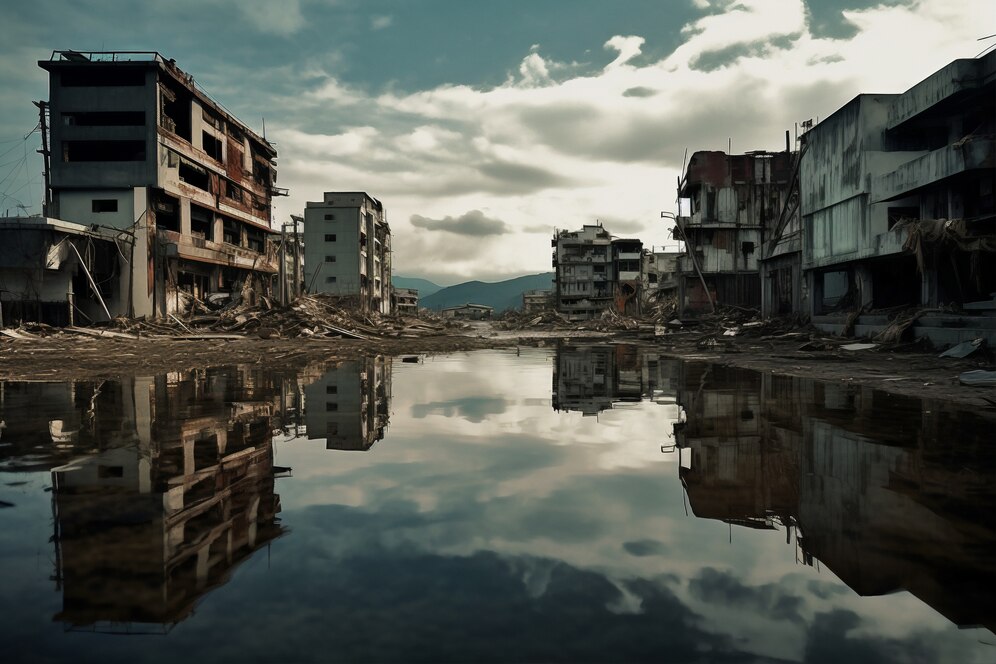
(473, 223)
(719, 587)
(381, 22)
(280, 18)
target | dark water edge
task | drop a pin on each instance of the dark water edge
(592, 503)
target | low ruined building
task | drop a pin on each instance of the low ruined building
(136, 148)
(469, 312)
(897, 203)
(405, 301)
(347, 252)
(729, 204)
(537, 300)
(596, 272)
(61, 273)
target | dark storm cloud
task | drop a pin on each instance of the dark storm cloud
(521, 178)
(639, 91)
(647, 547)
(473, 223)
(712, 60)
(829, 642)
(717, 587)
(472, 409)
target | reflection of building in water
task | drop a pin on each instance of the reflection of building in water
(177, 489)
(348, 405)
(874, 484)
(591, 378)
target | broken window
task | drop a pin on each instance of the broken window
(212, 146)
(255, 239)
(747, 248)
(330, 237)
(104, 205)
(103, 151)
(175, 111)
(896, 214)
(231, 233)
(194, 175)
(201, 222)
(233, 192)
(104, 119)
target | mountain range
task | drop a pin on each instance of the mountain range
(501, 295)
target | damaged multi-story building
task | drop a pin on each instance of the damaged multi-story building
(596, 272)
(897, 202)
(166, 192)
(347, 250)
(730, 203)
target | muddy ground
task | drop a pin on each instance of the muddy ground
(65, 357)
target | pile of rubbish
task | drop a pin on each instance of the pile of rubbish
(309, 316)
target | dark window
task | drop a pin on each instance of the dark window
(255, 239)
(330, 217)
(331, 389)
(212, 146)
(90, 76)
(330, 280)
(105, 472)
(330, 259)
(330, 406)
(232, 233)
(233, 191)
(104, 205)
(104, 119)
(201, 222)
(330, 237)
(747, 248)
(103, 151)
(898, 213)
(195, 176)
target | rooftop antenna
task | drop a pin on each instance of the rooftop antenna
(264, 128)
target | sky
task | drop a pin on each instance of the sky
(483, 127)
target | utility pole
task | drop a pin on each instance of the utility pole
(46, 156)
(297, 256)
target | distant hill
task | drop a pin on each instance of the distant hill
(501, 295)
(424, 287)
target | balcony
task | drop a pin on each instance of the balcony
(208, 251)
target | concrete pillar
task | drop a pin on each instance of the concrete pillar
(184, 213)
(142, 283)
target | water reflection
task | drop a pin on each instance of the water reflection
(493, 520)
(166, 485)
(590, 378)
(349, 405)
(876, 486)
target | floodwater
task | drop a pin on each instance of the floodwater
(584, 503)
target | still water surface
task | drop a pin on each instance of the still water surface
(592, 503)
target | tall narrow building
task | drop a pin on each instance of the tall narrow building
(347, 250)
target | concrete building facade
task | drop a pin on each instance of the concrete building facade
(731, 201)
(897, 201)
(136, 147)
(596, 272)
(405, 301)
(349, 405)
(347, 250)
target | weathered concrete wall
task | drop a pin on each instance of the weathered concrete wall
(77, 206)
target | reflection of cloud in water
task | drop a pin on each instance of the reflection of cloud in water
(473, 409)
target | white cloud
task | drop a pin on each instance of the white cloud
(281, 18)
(556, 147)
(381, 22)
